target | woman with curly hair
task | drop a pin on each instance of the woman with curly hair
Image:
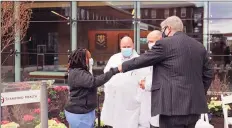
(80, 108)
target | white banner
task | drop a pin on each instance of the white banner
(20, 97)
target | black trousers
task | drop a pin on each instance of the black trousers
(153, 126)
(186, 121)
(108, 126)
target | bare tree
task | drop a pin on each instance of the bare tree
(14, 22)
(10, 22)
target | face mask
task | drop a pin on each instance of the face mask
(150, 45)
(163, 34)
(126, 52)
(91, 61)
(91, 65)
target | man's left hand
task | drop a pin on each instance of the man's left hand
(142, 84)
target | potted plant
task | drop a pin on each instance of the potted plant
(220, 85)
(216, 112)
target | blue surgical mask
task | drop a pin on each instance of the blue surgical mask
(127, 52)
(91, 61)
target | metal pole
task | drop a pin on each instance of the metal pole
(74, 25)
(135, 24)
(208, 33)
(138, 27)
(205, 26)
(17, 44)
(44, 105)
(1, 59)
(99, 112)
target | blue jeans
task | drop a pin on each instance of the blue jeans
(80, 120)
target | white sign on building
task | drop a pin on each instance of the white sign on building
(143, 26)
(20, 97)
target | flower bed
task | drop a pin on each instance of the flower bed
(28, 115)
(216, 112)
(220, 85)
(58, 97)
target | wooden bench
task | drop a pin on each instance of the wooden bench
(57, 75)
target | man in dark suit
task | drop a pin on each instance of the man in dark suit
(182, 74)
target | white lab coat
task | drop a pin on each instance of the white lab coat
(145, 118)
(145, 100)
(127, 107)
(121, 107)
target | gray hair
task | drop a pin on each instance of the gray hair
(174, 22)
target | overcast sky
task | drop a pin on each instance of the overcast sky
(221, 10)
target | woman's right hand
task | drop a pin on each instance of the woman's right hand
(120, 68)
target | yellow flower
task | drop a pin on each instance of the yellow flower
(217, 103)
(10, 125)
(53, 124)
(101, 123)
(210, 106)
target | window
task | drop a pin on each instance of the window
(183, 12)
(87, 14)
(143, 40)
(78, 14)
(196, 30)
(82, 14)
(166, 13)
(153, 13)
(174, 12)
(146, 13)
(184, 29)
